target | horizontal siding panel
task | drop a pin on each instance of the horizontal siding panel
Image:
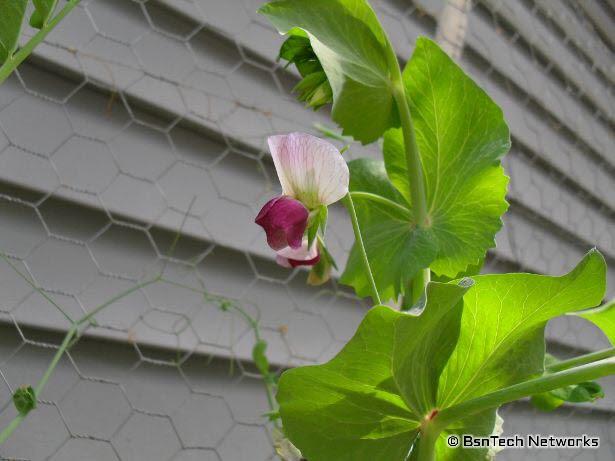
(552, 48)
(560, 12)
(519, 68)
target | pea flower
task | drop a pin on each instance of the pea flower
(313, 174)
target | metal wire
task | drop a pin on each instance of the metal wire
(138, 118)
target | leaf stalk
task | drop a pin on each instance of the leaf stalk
(581, 360)
(359, 239)
(545, 383)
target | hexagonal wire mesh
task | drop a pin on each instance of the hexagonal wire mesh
(138, 118)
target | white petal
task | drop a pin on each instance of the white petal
(300, 254)
(310, 169)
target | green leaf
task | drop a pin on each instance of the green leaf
(24, 399)
(352, 49)
(578, 393)
(502, 332)
(43, 9)
(461, 135)
(11, 17)
(369, 401)
(604, 318)
(582, 392)
(354, 400)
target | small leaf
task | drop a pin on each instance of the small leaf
(578, 393)
(11, 17)
(24, 399)
(43, 9)
(260, 358)
(352, 49)
(297, 49)
(603, 317)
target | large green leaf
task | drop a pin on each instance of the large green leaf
(352, 48)
(43, 9)
(352, 407)
(604, 318)
(11, 17)
(367, 403)
(461, 135)
(502, 330)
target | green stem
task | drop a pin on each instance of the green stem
(415, 168)
(66, 343)
(251, 321)
(427, 443)
(581, 360)
(11, 64)
(417, 288)
(382, 200)
(33, 285)
(545, 383)
(413, 158)
(115, 299)
(357, 235)
(56, 359)
(8, 430)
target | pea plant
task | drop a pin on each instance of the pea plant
(43, 18)
(462, 344)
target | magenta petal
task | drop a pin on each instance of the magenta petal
(284, 220)
(304, 262)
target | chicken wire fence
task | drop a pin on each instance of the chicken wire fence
(133, 162)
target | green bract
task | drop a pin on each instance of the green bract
(355, 55)
(24, 399)
(471, 339)
(11, 17)
(43, 9)
(461, 134)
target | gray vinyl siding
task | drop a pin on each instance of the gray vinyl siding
(132, 115)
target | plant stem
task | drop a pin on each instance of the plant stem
(544, 383)
(13, 61)
(357, 235)
(382, 200)
(115, 299)
(33, 285)
(427, 443)
(413, 158)
(66, 342)
(8, 430)
(56, 359)
(581, 360)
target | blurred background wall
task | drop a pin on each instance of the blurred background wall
(136, 119)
